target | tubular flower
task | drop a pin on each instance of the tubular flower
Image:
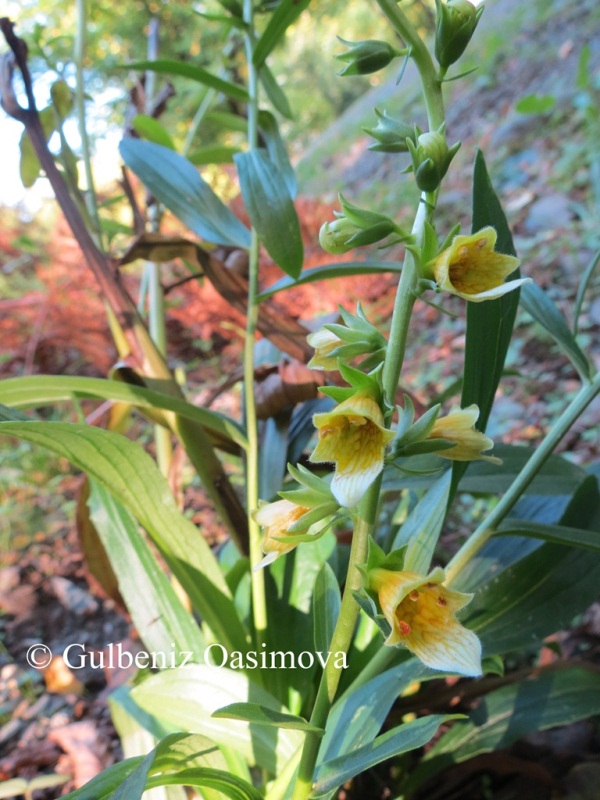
(277, 518)
(421, 613)
(353, 437)
(472, 269)
(459, 427)
(323, 342)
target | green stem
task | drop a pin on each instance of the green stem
(79, 54)
(480, 536)
(259, 605)
(340, 641)
(434, 103)
(157, 322)
(432, 87)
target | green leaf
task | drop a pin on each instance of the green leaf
(132, 477)
(186, 698)
(9, 415)
(275, 93)
(36, 391)
(286, 13)
(272, 456)
(489, 324)
(506, 715)
(164, 625)
(557, 476)
(541, 592)
(152, 130)
(227, 121)
(213, 154)
(261, 715)
(559, 534)
(407, 737)
(137, 740)
(581, 289)
(358, 714)
(232, 21)
(234, 8)
(536, 104)
(326, 604)
(289, 587)
(537, 303)
(177, 759)
(277, 151)
(270, 209)
(29, 165)
(329, 271)
(423, 526)
(165, 66)
(19, 786)
(176, 183)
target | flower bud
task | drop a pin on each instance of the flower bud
(366, 56)
(355, 227)
(391, 134)
(333, 236)
(456, 23)
(431, 158)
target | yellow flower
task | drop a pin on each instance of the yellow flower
(459, 427)
(472, 269)
(277, 518)
(323, 342)
(353, 437)
(421, 613)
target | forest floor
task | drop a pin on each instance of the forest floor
(546, 168)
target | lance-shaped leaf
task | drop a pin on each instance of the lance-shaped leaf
(489, 324)
(130, 475)
(271, 209)
(177, 184)
(169, 67)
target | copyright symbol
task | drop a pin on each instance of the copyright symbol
(39, 656)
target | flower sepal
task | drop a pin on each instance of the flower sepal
(367, 56)
(357, 336)
(312, 492)
(391, 134)
(356, 227)
(431, 158)
(456, 23)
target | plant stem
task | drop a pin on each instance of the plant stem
(340, 641)
(79, 54)
(434, 103)
(157, 324)
(432, 87)
(480, 536)
(259, 605)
